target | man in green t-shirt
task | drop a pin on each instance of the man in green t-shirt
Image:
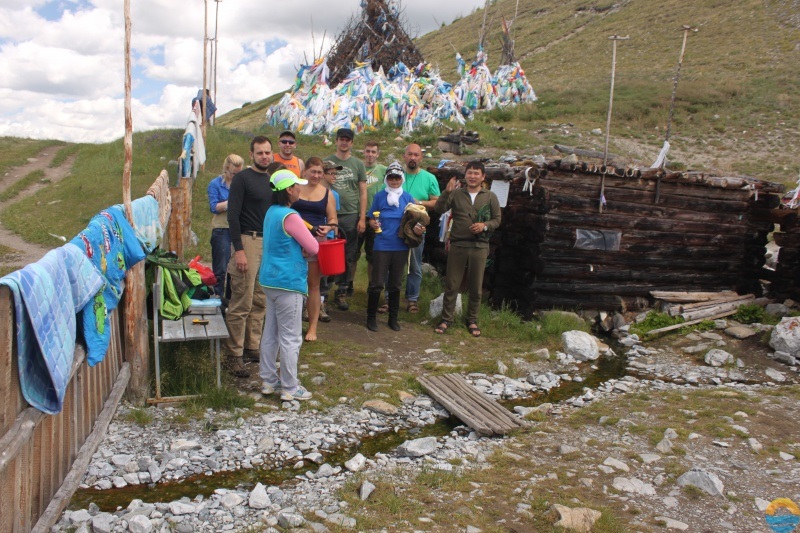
(424, 187)
(351, 184)
(375, 174)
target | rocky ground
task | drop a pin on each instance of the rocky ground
(680, 441)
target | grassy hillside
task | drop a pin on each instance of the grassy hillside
(736, 100)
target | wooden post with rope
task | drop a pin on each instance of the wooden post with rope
(685, 29)
(614, 38)
(135, 336)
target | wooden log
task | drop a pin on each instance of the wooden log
(627, 221)
(698, 306)
(580, 152)
(667, 238)
(686, 296)
(722, 308)
(635, 260)
(788, 240)
(576, 181)
(554, 271)
(136, 340)
(690, 323)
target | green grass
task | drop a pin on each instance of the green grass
(16, 151)
(29, 180)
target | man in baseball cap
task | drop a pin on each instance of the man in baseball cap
(351, 184)
(287, 144)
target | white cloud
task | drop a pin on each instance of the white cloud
(63, 63)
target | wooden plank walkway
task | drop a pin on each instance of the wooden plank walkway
(476, 410)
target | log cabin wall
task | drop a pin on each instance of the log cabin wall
(657, 230)
(785, 280)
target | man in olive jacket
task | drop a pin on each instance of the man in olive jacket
(475, 213)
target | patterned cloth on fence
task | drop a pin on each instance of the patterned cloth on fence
(111, 245)
(47, 296)
(146, 225)
(160, 191)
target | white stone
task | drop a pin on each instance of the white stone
(342, 520)
(417, 447)
(179, 445)
(786, 336)
(139, 524)
(289, 520)
(775, 375)
(365, 490)
(258, 498)
(435, 307)
(669, 523)
(761, 504)
(230, 500)
(786, 456)
(121, 459)
(754, 444)
(616, 463)
(634, 486)
(579, 519)
(703, 480)
(356, 464)
(77, 517)
(182, 508)
(103, 523)
(648, 458)
(580, 345)
(718, 358)
(670, 433)
(665, 446)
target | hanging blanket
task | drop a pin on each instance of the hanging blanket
(47, 296)
(146, 223)
(160, 191)
(111, 245)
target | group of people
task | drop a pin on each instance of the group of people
(270, 218)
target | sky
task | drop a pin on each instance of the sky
(62, 61)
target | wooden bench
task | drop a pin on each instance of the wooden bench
(191, 327)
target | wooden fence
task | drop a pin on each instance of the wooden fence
(43, 457)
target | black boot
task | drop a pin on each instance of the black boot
(372, 309)
(394, 309)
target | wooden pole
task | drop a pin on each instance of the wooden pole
(216, 50)
(205, 69)
(614, 39)
(686, 29)
(136, 345)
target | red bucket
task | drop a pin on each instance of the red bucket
(331, 257)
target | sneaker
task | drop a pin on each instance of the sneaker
(235, 367)
(251, 356)
(268, 390)
(300, 394)
(323, 314)
(341, 302)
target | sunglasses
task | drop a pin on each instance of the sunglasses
(287, 141)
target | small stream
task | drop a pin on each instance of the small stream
(246, 479)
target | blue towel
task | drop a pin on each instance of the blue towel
(111, 245)
(145, 222)
(47, 295)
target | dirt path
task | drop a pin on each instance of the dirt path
(16, 252)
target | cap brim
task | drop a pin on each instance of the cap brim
(301, 182)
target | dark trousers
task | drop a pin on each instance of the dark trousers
(387, 270)
(366, 241)
(220, 257)
(348, 224)
(473, 261)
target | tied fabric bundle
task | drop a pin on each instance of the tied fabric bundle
(414, 214)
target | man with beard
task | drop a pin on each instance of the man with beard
(249, 198)
(351, 184)
(424, 187)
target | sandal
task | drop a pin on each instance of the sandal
(473, 329)
(412, 307)
(442, 327)
(383, 309)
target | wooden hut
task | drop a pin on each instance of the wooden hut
(579, 235)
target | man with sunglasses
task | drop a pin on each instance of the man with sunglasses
(287, 142)
(351, 184)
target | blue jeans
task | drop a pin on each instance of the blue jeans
(414, 279)
(220, 257)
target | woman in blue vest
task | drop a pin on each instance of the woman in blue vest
(284, 277)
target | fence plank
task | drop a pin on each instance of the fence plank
(73, 479)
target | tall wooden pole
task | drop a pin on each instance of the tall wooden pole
(136, 344)
(614, 39)
(686, 29)
(205, 68)
(216, 49)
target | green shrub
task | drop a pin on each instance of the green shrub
(655, 320)
(752, 313)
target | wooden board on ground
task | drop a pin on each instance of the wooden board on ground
(476, 410)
